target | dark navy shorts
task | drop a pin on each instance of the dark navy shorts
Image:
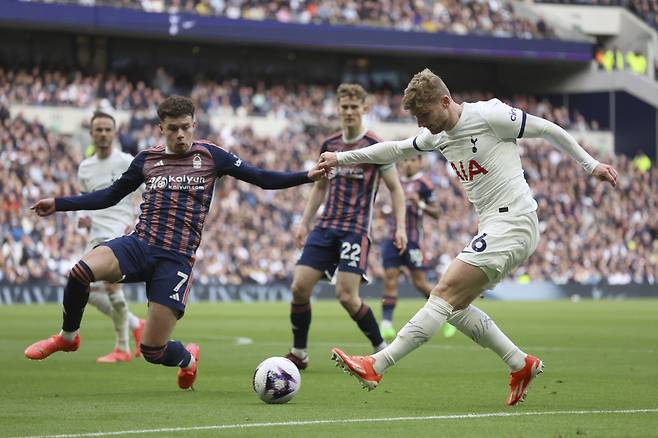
(327, 249)
(168, 275)
(412, 257)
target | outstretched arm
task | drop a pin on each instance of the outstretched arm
(129, 182)
(380, 153)
(271, 180)
(536, 127)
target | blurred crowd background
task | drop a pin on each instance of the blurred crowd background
(591, 233)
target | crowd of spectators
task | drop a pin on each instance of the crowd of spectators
(489, 17)
(645, 9)
(590, 232)
(305, 103)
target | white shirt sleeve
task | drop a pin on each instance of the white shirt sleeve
(505, 122)
(81, 182)
(536, 127)
(380, 153)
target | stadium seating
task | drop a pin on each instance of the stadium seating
(493, 17)
(585, 240)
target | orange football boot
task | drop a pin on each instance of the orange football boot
(186, 377)
(117, 355)
(137, 334)
(360, 367)
(44, 348)
(519, 380)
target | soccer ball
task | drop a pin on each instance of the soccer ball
(276, 380)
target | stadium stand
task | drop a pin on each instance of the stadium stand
(493, 17)
(647, 10)
(585, 240)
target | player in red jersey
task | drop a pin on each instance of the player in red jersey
(340, 241)
(179, 177)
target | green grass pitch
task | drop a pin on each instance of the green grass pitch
(600, 356)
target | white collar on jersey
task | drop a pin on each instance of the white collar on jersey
(357, 138)
(411, 178)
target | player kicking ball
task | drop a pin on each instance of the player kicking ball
(179, 177)
(479, 141)
(419, 193)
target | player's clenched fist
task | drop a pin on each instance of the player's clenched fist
(605, 172)
(327, 161)
(44, 207)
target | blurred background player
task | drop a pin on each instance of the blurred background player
(421, 200)
(479, 141)
(180, 178)
(340, 241)
(97, 172)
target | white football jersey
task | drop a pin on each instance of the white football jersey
(96, 174)
(481, 149)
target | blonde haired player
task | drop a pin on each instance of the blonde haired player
(479, 141)
(340, 241)
(94, 173)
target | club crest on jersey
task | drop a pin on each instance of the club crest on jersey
(474, 140)
(196, 161)
(474, 169)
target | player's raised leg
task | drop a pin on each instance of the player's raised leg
(458, 287)
(347, 293)
(304, 280)
(389, 301)
(99, 264)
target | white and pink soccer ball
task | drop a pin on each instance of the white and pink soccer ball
(276, 380)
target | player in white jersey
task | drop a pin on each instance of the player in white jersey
(479, 141)
(94, 173)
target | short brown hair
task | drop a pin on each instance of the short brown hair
(102, 115)
(423, 89)
(175, 106)
(351, 90)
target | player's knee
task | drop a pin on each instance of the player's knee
(299, 291)
(81, 273)
(390, 282)
(347, 298)
(446, 289)
(152, 354)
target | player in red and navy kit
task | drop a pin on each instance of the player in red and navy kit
(419, 193)
(179, 178)
(340, 241)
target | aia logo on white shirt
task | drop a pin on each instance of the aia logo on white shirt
(474, 168)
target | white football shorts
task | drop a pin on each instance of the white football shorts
(503, 243)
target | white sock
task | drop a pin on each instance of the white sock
(301, 353)
(133, 321)
(415, 333)
(477, 325)
(101, 301)
(120, 319)
(386, 324)
(69, 336)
